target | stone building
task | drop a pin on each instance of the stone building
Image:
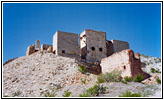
(65, 43)
(93, 45)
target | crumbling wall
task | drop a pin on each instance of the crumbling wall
(124, 61)
(30, 50)
(65, 43)
(109, 48)
(45, 46)
(95, 44)
(37, 45)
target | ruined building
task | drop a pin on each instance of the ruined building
(92, 46)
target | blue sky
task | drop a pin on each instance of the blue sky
(137, 23)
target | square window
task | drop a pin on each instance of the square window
(73, 52)
(63, 51)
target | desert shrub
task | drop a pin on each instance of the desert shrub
(113, 76)
(85, 95)
(49, 94)
(128, 78)
(94, 91)
(158, 80)
(58, 86)
(5, 96)
(124, 81)
(153, 70)
(100, 78)
(67, 93)
(82, 69)
(17, 93)
(83, 80)
(130, 94)
(138, 78)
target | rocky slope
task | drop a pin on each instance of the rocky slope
(42, 74)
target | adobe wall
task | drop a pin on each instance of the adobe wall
(124, 61)
(65, 43)
(119, 45)
(95, 44)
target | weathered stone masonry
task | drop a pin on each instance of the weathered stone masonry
(65, 43)
(93, 45)
(94, 48)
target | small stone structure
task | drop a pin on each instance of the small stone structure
(93, 45)
(65, 43)
(125, 61)
(36, 47)
(30, 50)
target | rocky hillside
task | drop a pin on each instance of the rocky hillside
(46, 75)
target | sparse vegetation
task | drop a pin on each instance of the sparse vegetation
(130, 94)
(113, 76)
(128, 78)
(5, 96)
(123, 81)
(50, 94)
(17, 93)
(67, 93)
(94, 91)
(58, 86)
(83, 80)
(138, 78)
(158, 80)
(157, 60)
(144, 56)
(153, 70)
(82, 69)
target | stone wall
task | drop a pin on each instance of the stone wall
(124, 61)
(119, 45)
(65, 43)
(109, 48)
(45, 46)
(95, 42)
(37, 45)
(30, 50)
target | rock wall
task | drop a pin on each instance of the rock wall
(124, 61)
